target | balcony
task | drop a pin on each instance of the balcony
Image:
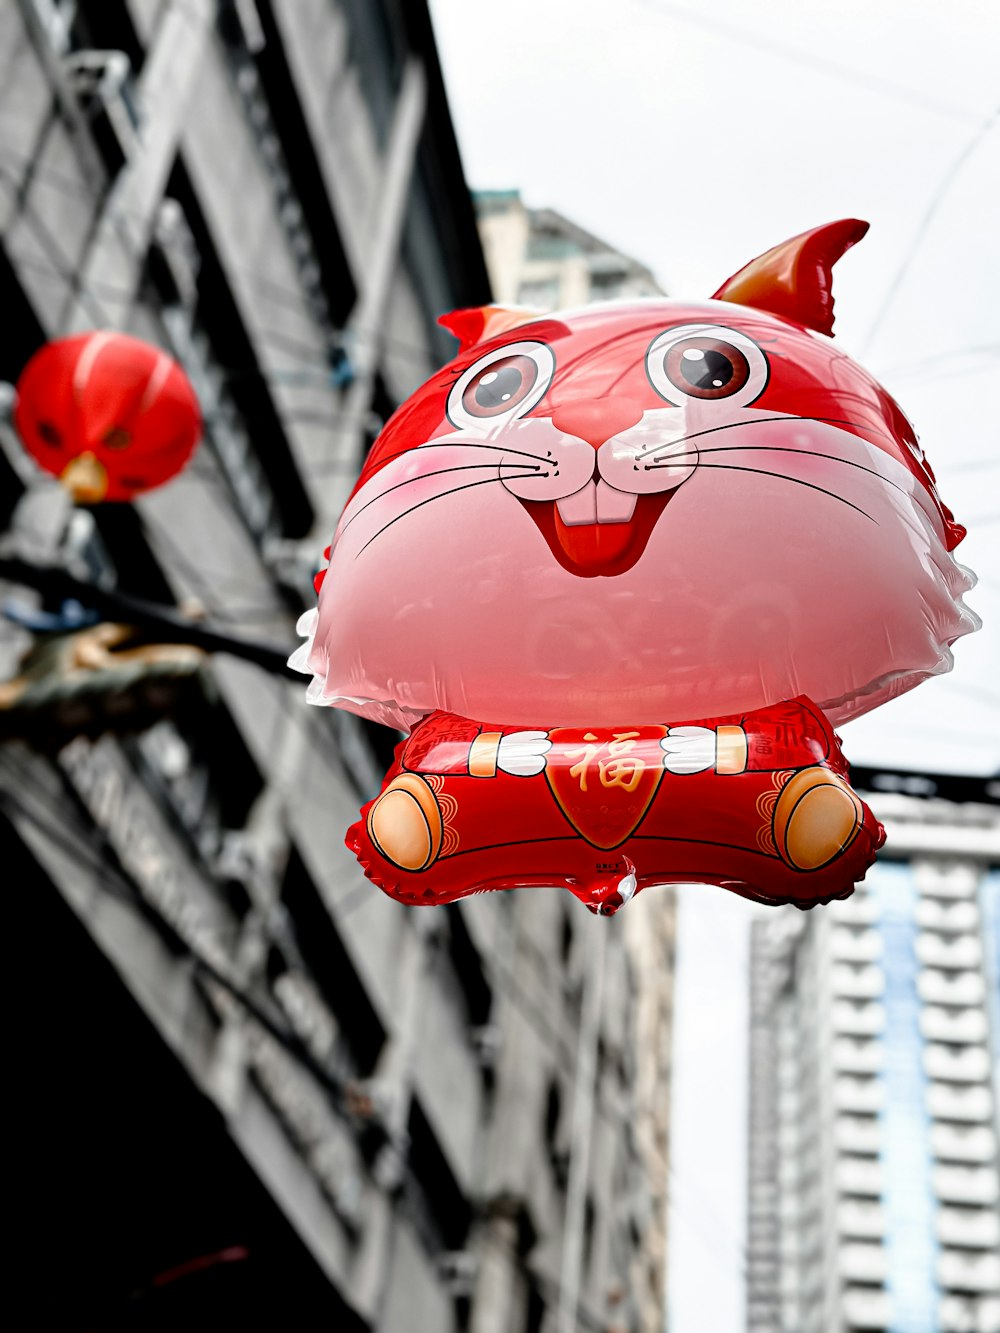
(964, 951)
(948, 882)
(965, 1184)
(963, 1102)
(960, 1270)
(963, 1227)
(858, 1175)
(955, 1025)
(946, 917)
(858, 910)
(971, 1065)
(861, 1217)
(859, 1262)
(860, 1018)
(857, 1092)
(963, 1314)
(865, 1308)
(855, 944)
(862, 981)
(961, 989)
(857, 1134)
(857, 1055)
(963, 1143)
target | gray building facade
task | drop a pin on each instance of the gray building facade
(261, 1091)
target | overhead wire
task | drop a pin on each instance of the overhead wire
(267, 288)
(804, 58)
(95, 309)
(937, 198)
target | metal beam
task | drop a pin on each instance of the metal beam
(168, 626)
(368, 316)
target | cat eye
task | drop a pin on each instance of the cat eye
(706, 362)
(504, 384)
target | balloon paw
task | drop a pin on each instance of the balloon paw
(405, 823)
(816, 819)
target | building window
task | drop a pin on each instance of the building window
(539, 293)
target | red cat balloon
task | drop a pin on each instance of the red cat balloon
(669, 545)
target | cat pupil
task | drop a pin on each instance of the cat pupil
(706, 369)
(496, 388)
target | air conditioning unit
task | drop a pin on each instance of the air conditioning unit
(101, 81)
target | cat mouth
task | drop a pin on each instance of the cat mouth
(599, 531)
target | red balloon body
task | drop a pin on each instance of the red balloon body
(757, 803)
(108, 414)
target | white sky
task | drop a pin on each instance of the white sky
(694, 137)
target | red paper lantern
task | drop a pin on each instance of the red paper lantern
(109, 415)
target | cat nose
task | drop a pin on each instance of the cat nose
(597, 419)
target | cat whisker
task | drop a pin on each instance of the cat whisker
(757, 421)
(783, 476)
(439, 472)
(774, 449)
(468, 486)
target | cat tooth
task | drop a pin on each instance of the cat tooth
(580, 507)
(614, 506)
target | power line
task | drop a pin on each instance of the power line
(937, 198)
(95, 310)
(265, 287)
(803, 58)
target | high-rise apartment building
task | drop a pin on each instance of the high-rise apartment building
(257, 1092)
(874, 1197)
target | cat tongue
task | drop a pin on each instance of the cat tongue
(591, 545)
(592, 526)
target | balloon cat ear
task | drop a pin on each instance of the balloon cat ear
(794, 279)
(475, 325)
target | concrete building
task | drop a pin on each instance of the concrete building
(874, 1198)
(538, 258)
(261, 1093)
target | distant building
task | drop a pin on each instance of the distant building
(256, 1092)
(874, 1198)
(538, 258)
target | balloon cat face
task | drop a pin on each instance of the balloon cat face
(643, 510)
